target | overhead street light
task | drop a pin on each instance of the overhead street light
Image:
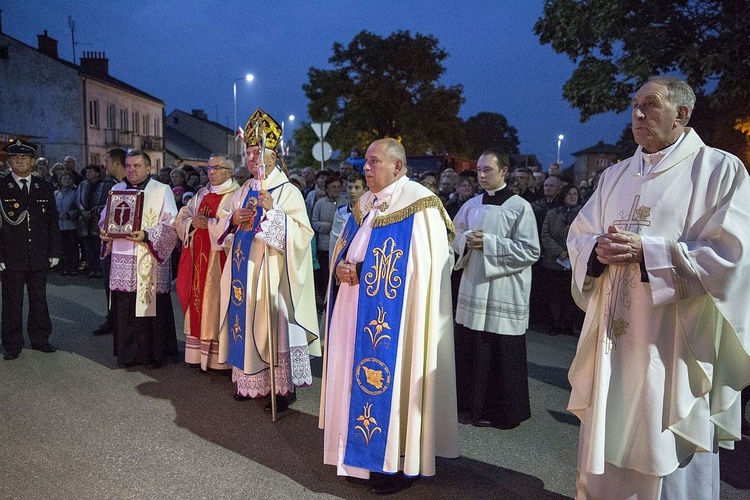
(559, 141)
(248, 78)
(283, 133)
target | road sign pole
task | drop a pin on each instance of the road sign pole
(322, 150)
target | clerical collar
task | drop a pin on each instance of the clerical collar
(495, 191)
(650, 161)
(140, 186)
(382, 199)
(389, 189)
(497, 196)
(223, 185)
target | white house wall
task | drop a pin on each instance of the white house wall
(133, 135)
(41, 100)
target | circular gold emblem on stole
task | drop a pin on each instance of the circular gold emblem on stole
(373, 376)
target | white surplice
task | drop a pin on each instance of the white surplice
(496, 281)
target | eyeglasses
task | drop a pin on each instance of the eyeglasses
(216, 168)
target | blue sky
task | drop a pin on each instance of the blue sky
(189, 53)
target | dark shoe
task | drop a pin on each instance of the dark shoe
(11, 355)
(104, 329)
(240, 397)
(481, 423)
(391, 485)
(745, 426)
(282, 403)
(91, 275)
(45, 348)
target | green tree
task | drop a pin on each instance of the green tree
(387, 87)
(618, 44)
(490, 130)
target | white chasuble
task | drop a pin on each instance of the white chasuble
(660, 362)
(286, 305)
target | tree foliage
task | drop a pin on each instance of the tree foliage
(619, 44)
(387, 87)
(490, 130)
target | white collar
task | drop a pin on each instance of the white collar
(223, 186)
(18, 178)
(492, 192)
(650, 161)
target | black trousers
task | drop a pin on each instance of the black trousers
(69, 261)
(321, 275)
(38, 323)
(106, 265)
(93, 247)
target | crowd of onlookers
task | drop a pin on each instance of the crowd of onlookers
(330, 194)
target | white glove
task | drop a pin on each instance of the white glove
(2, 266)
(54, 261)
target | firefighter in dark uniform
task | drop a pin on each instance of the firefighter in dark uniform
(29, 246)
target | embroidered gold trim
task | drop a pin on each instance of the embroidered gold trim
(359, 217)
(417, 206)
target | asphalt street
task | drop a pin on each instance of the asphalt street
(73, 425)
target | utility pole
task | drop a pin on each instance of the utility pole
(72, 25)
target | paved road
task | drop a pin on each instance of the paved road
(73, 425)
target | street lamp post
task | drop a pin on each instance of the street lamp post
(559, 141)
(248, 78)
(283, 133)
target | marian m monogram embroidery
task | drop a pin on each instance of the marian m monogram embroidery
(384, 270)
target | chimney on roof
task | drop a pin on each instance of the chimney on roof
(199, 113)
(95, 63)
(47, 45)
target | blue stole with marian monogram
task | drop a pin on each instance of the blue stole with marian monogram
(243, 239)
(379, 311)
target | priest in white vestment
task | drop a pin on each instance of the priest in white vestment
(661, 267)
(388, 402)
(140, 277)
(199, 227)
(267, 223)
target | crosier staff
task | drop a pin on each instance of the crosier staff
(266, 273)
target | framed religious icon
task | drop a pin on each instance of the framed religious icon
(124, 211)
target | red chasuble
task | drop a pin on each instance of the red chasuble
(191, 275)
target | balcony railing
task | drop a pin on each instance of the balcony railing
(153, 143)
(121, 138)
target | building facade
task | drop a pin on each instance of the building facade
(208, 134)
(71, 110)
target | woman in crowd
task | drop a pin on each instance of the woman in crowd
(464, 192)
(555, 260)
(322, 221)
(67, 207)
